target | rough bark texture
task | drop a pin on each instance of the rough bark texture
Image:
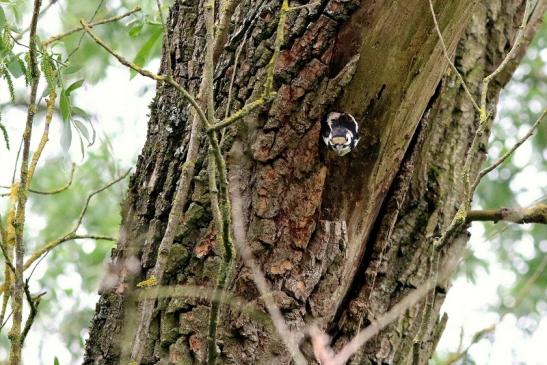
(340, 239)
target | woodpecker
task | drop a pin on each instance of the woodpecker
(340, 132)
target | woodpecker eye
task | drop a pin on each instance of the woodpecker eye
(340, 132)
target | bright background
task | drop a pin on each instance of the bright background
(499, 259)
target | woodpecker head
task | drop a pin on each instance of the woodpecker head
(340, 132)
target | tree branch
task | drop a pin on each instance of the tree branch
(518, 40)
(459, 218)
(534, 214)
(146, 73)
(58, 37)
(72, 234)
(445, 53)
(243, 112)
(22, 196)
(506, 155)
(45, 135)
(58, 190)
(226, 11)
(33, 303)
(289, 339)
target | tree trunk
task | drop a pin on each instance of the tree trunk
(340, 240)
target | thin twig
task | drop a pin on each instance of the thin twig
(234, 73)
(507, 154)
(42, 12)
(146, 73)
(240, 240)
(71, 235)
(60, 189)
(454, 358)
(459, 218)
(279, 38)
(445, 53)
(516, 45)
(6, 257)
(113, 19)
(33, 304)
(37, 254)
(45, 135)
(243, 112)
(165, 39)
(411, 299)
(79, 44)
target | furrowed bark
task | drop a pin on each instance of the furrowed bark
(340, 240)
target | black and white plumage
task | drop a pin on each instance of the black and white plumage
(340, 132)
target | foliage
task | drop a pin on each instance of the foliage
(70, 274)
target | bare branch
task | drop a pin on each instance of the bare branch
(72, 234)
(45, 135)
(479, 335)
(534, 214)
(243, 112)
(279, 38)
(506, 155)
(240, 240)
(62, 188)
(58, 37)
(234, 72)
(6, 256)
(22, 196)
(33, 304)
(445, 53)
(146, 73)
(516, 45)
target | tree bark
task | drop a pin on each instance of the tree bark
(340, 240)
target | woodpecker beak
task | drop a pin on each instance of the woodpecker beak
(339, 140)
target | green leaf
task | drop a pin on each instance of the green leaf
(64, 105)
(66, 136)
(16, 67)
(56, 361)
(145, 52)
(136, 28)
(3, 20)
(82, 129)
(79, 111)
(72, 69)
(4, 133)
(74, 86)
